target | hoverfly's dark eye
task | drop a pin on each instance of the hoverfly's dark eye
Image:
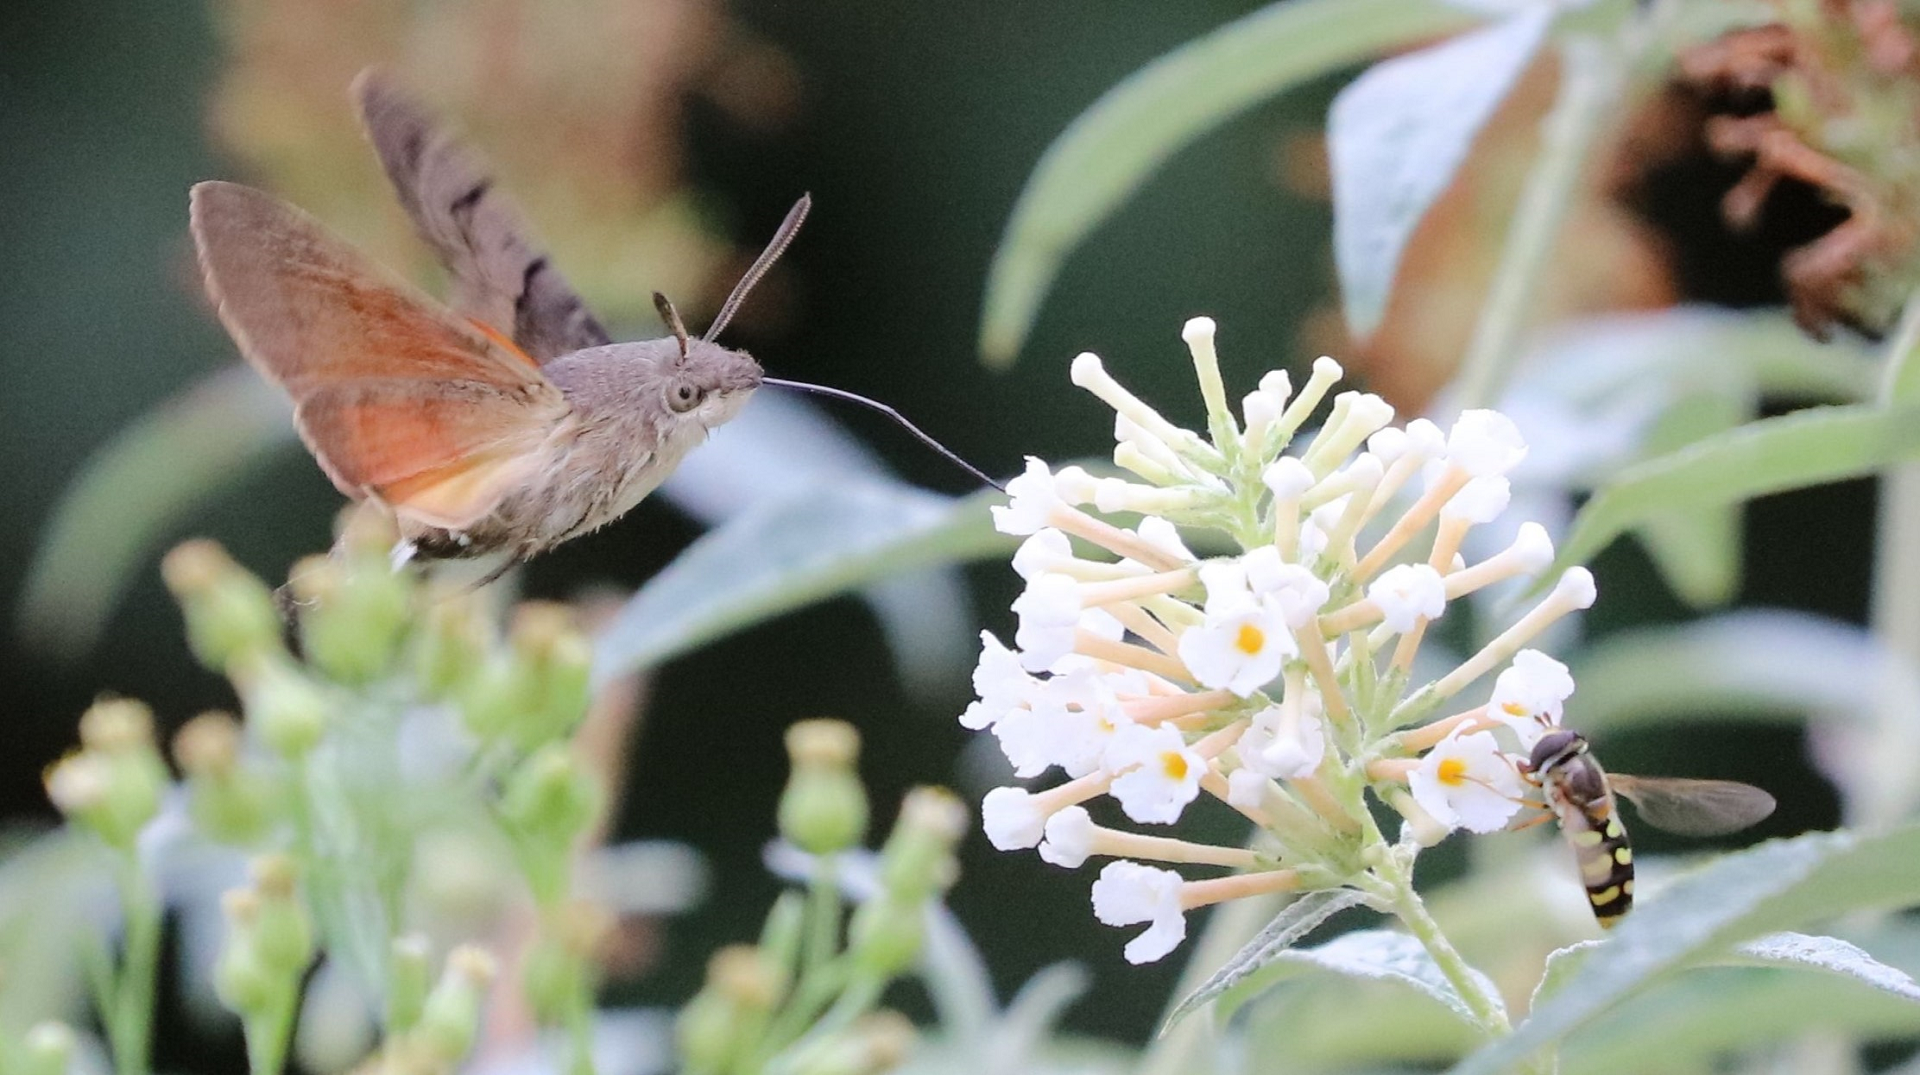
(683, 397)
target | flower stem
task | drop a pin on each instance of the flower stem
(1397, 875)
(269, 1032)
(1893, 614)
(130, 1018)
(1589, 89)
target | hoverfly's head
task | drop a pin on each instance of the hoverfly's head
(1555, 749)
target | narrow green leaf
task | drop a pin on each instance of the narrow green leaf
(1382, 955)
(816, 544)
(1739, 665)
(1829, 954)
(1395, 137)
(1112, 147)
(1294, 922)
(1697, 549)
(134, 491)
(1702, 915)
(1809, 447)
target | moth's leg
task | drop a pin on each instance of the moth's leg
(402, 552)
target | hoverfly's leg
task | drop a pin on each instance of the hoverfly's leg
(1545, 815)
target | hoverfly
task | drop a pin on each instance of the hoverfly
(1581, 795)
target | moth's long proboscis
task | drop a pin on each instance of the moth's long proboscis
(855, 397)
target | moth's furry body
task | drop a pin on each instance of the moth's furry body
(619, 443)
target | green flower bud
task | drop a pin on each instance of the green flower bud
(877, 1043)
(917, 860)
(886, 934)
(823, 809)
(540, 689)
(352, 614)
(408, 978)
(282, 930)
(706, 1033)
(549, 800)
(114, 784)
(47, 1049)
(229, 802)
(228, 611)
(288, 710)
(450, 1019)
(450, 646)
(780, 937)
(243, 983)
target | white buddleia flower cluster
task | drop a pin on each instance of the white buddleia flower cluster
(1277, 680)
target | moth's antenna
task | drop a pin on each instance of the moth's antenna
(672, 317)
(854, 397)
(775, 247)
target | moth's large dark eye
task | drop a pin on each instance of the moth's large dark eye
(684, 397)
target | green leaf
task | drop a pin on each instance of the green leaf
(1294, 922)
(136, 490)
(1112, 147)
(1829, 954)
(1702, 915)
(1737, 666)
(1395, 137)
(1809, 447)
(818, 543)
(1696, 549)
(1759, 994)
(1381, 955)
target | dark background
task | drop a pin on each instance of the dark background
(917, 126)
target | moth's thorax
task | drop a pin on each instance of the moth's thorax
(637, 410)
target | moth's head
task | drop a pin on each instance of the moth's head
(708, 383)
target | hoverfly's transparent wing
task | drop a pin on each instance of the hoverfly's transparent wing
(1694, 807)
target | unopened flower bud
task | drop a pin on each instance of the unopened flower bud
(245, 984)
(918, 857)
(228, 611)
(707, 1032)
(409, 977)
(450, 1018)
(228, 802)
(886, 934)
(114, 725)
(549, 800)
(823, 809)
(878, 1042)
(114, 793)
(450, 645)
(287, 709)
(47, 1049)
(352, 612)
(539, 691)
(558, 976)
(208, 745)
(780, 937)
(282, 929)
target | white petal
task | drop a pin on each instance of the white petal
(1011, 819)
(1485, 442)
(1044, 550)
(1069, 838)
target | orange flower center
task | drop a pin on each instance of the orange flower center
(1174, 766)
(1453, 771)
(1250, 640)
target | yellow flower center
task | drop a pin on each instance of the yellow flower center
(1453, 771)
(1250, 640)
(1174, 765)
(1515, 709)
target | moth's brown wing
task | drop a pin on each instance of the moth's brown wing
(397, 397)
(1694, 807)
(500, 276)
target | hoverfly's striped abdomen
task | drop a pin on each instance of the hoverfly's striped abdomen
(1606, 864)
(1577, 789)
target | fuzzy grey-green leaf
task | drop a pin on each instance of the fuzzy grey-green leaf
(1287, 929)
(1702, 915)
(818, 543)
(1112, 147)
(1809, 447)
(1395, 137)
